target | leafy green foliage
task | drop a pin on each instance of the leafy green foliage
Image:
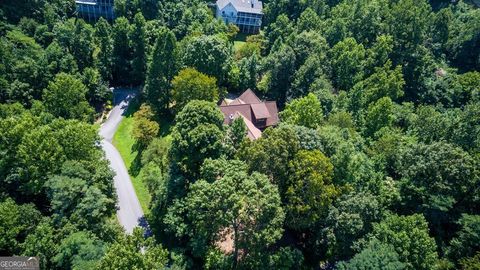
(42, 242)
(74, 200)
(16, 221)
(134, 252)
(375, 256)
(310, 190)
(306, 111)
(438, 179)
(381, 119)
(270, 154)
(197, 135)
(379, 115)
(238, 206)
(466, 242)
(65, 97)
(145, 129)
(79, 250)
(348, 220)
(76, 36)
(347, 63)
(104, 40)
(190, 85)
(210, 55)
(121, 51)
(161, 70)
(408, 235)
(139, 61)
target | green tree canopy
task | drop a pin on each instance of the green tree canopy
(145, 129)
(238, 206)
(467, 240)
(270, 154)
(104, 41)
(306, 111)
(375, 256)
(122, 53)
(139, 49)
(161, 70)
(379, 115)
(348, 63)
(134, 252)
(409, 236)
(349, 219)
(190, 85)
(16, 221)
(210, 55)
(65, 97)
(79, 250)
(197, 135)
(310, 190)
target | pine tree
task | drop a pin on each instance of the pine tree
(161, 70)
(104, 41)
(121, 51)
(139, 63)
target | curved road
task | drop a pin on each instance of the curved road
(129, 212)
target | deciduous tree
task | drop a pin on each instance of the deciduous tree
(134, 252)
(145, 129)
(65, 97)
(309, 191)
(210, 55)
(190, 85)
(348, 59)
(238, 206)
(409, 236)
(306, 111)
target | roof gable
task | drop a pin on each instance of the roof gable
(249, 97)
(260, 111)
(247, 6)
(252, 131)
(252, 109)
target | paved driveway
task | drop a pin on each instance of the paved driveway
(129, 212)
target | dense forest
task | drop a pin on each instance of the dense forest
(374, 165)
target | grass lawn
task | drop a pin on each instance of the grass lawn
(124, 142)
(240, 39)
(237, 45)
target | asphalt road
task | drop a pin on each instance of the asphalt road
(129, 211)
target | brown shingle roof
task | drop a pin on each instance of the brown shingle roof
(273, 110)
(253, 132)
(260, 111)
(249, 97)
(252, 109)
(236, 101)
(230, 110)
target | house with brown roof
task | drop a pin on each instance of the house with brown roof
(257, 114)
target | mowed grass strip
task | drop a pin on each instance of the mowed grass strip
(124, 143)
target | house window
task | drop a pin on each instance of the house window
(261, 122)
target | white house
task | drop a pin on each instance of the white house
(92, 10)
(246, 14)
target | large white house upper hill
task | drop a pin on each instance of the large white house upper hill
(246, 14)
